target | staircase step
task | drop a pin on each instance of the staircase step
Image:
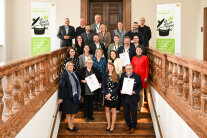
(98, 114)
(100, 123)
(118, 133)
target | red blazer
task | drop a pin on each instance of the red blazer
(141, 67)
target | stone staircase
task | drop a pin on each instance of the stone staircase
(97, 128)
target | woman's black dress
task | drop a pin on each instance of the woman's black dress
(112, 88)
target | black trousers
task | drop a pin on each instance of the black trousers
(88, 101)
(130, 107)
(98, 97)
(119, 101)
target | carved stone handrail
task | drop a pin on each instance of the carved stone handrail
(182, 83)
(25, 86)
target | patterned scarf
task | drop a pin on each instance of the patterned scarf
(76, 89)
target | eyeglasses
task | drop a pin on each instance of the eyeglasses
(128, 68)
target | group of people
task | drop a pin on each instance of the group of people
(93, 53)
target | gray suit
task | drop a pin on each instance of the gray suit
(87, 39)
(93, 28)
(62, 33)
(82, 60)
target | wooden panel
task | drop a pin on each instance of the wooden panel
(110, 12)
(97, 8)
(114, 14)
(205, 35)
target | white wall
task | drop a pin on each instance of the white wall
(200, 19)
(172, 125)
(18, 21)
(41, 124)
(189, 10)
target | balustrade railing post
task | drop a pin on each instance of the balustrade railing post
(32, 82)
(26, 84)
(196, 93)
(8, 99)
(1, 101)
(186, 83)
(164, 74)
(204, 93)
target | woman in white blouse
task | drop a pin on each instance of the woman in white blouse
(117, 62)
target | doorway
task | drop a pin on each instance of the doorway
(205, 35)
(110, 10)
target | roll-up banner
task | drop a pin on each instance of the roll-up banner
(43, 19)
(169, 28)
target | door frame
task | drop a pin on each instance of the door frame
(205, 34)
(126, 12)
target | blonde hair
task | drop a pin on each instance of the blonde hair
(66, 65)
(89, 60)
(98, 50)
(103, 25)
(114, 77)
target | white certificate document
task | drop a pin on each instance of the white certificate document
(128, 85)
(92, 82)
(124, 58)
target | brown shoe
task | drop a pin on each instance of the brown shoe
(126, 128)
(132, 131)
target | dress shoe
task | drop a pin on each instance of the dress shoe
(87, 119)
(72, 130)
(91, 118)
(126, 128)
(75, 128)
(107, 129)
(111, 131)
(132, 131)
(99, 107)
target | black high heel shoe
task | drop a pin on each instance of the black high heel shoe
(72, 130)
(107, 129)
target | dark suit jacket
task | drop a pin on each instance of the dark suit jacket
(105, 91)
(147, 33)
(62, 33)
(131, 34)
(82, 76)
(132, 51)
(93, 48)
(79, 30)
(65, 88)
(87, 40)
(137, 83)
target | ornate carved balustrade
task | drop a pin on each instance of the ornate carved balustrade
(182, 82)
(25, 86)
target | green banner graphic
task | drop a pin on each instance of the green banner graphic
(40, 45)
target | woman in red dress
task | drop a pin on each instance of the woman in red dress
(141, 66)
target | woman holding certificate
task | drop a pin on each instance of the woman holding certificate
(69, 94)
(141, 66)
(88, 93)
(110, 85)
(99, 63)
(72, 56)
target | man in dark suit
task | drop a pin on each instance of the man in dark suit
(127, 48)
(136, 43)
(130, 100)
(96, 44)
(66, 33)
(81, 29)
(87, 35)
(95, 27)
(134, 32)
